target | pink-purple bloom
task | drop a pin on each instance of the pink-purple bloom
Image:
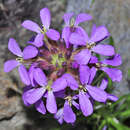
(71, 25)
(44, 30)
(65, 69)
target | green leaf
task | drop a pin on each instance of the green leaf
(125, 113)
(114, 122)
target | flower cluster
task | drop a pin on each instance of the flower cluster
(64, 68)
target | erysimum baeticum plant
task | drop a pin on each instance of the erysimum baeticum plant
(65, 67)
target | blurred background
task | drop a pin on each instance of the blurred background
(114, 14)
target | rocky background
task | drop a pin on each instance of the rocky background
(115, 14)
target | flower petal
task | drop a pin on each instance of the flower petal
(77, 39)
(84, 72)
(65, 35)
(32, 26)
(100, 33)
(10, 65)
(103, 84)
(112, 97)
(75, 104)
(33, 95)
(39, 105)
(40, 77)
(59, 115)
(30, 52)
(97, 93)
(67, 18)
(116, 61)
(93, 71)
(71, 82)
(45, 17)
(82, 32)
(24, 75)
(93, 60)
(93, 29)
(106, 50)
(82, 17)
(59, 84)
(85, 104)
(14, 47)
(113, 73)
(23, 95)
(51, 102)
(83, 57)
(60, 94)
(53, 34)
(38, 42)
(31, 75)
(69, 115)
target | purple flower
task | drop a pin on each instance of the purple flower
(72, 26)
(87, 90)
(42, 33)
(66, 113)
(98, 34)
(113, 73)
(39, 105)
(35, 94)
(28, 53)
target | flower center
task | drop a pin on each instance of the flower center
(58, 60)
(19, 59)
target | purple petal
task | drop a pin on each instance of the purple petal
(38, 42)
(60, 94)
(83, 57)
(75, 104)
(77, 39)
(10, 65)
(24, 75)
(93, 29)
(75, 65)
(39, 105)
(93, 71)
(59, 84)
(103, 84)
(51, 102)
(59, 115)
(85, 104)
(40, 77)
(84, 73)
(82, 32)
(14, 47)
(99, 34)
(69, 115)
(65, 35)
(97, 93)
(30, 52)
(45, 17)
(33, 95)
(67, 18)
(53, 34)
(31, 74)
(112, 97)
(106, 50)
(114, 62)
(23, 95)
(93, 60)
(113, 73)
(82, 18)
(71, 82)
(32, 26)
